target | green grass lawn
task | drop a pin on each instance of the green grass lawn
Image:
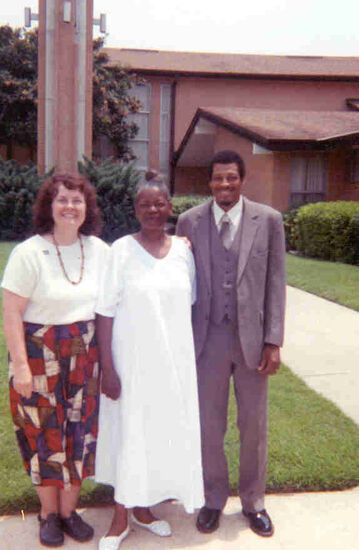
(334, 281)
(312, 445)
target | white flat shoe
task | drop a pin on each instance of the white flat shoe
(159, 527)
(113, 543)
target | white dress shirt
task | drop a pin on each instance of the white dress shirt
(234, 215)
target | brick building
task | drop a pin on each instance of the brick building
(294, 119)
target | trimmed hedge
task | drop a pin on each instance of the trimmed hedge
(328, 231)
(185, 202)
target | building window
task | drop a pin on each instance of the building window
(308, 179)
(165, 128)
(140, 145)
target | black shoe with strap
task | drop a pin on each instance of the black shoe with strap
(260, 523)
(208, 520)
(77, 528)
(50, 531)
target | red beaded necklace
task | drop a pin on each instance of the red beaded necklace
(62, 263)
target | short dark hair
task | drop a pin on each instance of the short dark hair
(153, 180)
(227, 157)
(42, 212)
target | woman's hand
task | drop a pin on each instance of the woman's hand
(22, 380)
(110, 381)
(111, 384)
(14, 307)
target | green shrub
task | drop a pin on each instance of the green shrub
(18, 187)
(114, 182)
(185, 202)
(353, 237)
(329, 231)
(115, 185)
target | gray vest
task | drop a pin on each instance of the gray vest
(223, 276)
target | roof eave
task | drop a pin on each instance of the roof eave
(275, 145)
(244, 76)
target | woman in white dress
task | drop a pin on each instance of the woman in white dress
(149, 433)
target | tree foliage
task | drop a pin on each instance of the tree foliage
(112, 100)
(18, 89)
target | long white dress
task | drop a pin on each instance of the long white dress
(148, 446)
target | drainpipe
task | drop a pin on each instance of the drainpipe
(172, 134)
(80, 39)
(50, 82)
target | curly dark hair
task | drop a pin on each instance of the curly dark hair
(42, 211)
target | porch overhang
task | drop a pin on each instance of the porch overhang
(274, 131)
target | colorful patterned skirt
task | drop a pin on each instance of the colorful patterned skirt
(56, 427)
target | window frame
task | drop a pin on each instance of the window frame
(147, 113)
(305, 195)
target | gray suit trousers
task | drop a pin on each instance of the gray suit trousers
(220, 359)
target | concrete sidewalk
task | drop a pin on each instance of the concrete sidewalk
(303, 521)
(322, 346)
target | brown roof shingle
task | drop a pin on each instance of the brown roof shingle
(288, 125)
(236, 64)
(281, 130)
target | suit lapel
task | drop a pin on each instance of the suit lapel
(202, 241)
(249, 228)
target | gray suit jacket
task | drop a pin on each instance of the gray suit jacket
(260, 277)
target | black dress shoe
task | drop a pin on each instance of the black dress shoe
(50, 531)
(77, 528)
(260, 523)
(208, 520)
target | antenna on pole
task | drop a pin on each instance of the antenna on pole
(29, 16)
(101, 22)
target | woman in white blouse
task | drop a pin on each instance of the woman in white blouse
(50, 288)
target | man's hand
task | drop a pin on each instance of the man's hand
(186, 241)
(270, 360)
(111, 384)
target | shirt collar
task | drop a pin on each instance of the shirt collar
(234, 213)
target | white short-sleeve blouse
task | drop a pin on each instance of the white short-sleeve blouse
(33, 271)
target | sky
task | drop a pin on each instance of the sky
(283, 27)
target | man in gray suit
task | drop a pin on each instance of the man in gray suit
(238, 322)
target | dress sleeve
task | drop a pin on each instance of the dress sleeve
(110, 284)
(21, 273)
